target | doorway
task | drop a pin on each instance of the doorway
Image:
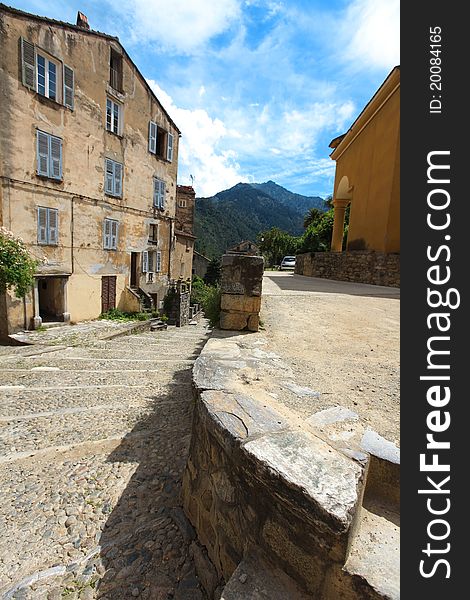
(108, 293)
(134, 263)
(51, 295)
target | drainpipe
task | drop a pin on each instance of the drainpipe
(170, 248)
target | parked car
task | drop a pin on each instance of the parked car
(288, 262)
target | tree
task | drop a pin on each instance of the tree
(17, 266)
(213, 273)
(312, 217)
(317, 237)
(275, 244)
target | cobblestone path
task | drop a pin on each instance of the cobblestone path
(93, 442)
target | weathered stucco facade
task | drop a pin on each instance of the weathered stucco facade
(97, 209)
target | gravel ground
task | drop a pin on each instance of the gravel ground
(340, 339)
(93, 441)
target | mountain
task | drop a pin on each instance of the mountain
(243, 211)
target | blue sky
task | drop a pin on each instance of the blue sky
(258, 87)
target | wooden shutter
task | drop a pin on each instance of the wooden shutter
(152, 137)
(55, 170)
(169, 153)
(109, 176)
(158, 266)
(114, 234)
(69, 84)
(42, 225)
(42, 153)
(162, 194)
(107, 234)
(145, 261)
(53, 225)
(117, 179)
(156, 191)
(28, 62)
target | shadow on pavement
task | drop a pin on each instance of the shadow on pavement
(290, 282)
(145, 541)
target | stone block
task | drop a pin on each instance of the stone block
(242, 274)
(253, 322)
(237, 302)
(233, 321)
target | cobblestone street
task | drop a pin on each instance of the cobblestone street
(94, 437)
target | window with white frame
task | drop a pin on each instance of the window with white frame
(113, 178)
(110, 234)
(161, 142)
(48, 226)
(151, 263)
(113, 116)
(49, 155)
(182, 203)
(46, 75)
(158, 193)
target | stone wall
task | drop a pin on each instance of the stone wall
(241, 283)
(257, 485)
(376, 268)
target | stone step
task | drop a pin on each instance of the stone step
(122, 352)
(77, 363)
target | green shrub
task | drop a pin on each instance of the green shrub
(211, 304)
(17, 266)
(114, 314)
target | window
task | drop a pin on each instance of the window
(161, 142)
(151, 263)
(115, 70)
(153, 233)
(110, 234)
(158, 193)
(113, 116)
(48, 226)
(113, 178)
(42, 74)
(49, 155)
(182, 203)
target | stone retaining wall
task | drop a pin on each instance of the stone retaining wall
(375, 268)
(257, 484)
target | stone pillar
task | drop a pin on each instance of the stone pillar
(338, 225)
(242, 278)
(37, 321)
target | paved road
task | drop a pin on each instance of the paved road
(93, 441)
(340, 339)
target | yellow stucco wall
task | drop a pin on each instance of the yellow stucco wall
(369, 156)
(80, 197)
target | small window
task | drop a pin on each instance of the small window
(113, 116)
(182, 203)
(113, 178)
(153, 233)
(158, 193)
(48, 224)
(110, 234)
(161, 145)
(151, 263)
(46, 73)
(49, 155)
(115, 70)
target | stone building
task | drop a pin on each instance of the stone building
(200, 264)
(88, 172)
(182, 262)
(368, 180)
(246, 247)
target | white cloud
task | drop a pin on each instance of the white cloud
(200, 153)
(371, 31)
(182, 25)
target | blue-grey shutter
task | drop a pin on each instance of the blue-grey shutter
(52, 225)
(69, 85)
(55, 156)
(158, 267)
(109, 176)
(145, 261)
(42, 225)
(151, 261)
(106, 234)
(114, 234)
(28, 64)
(169, 153)
(156, 191)
(42, 153)
(162, 194)
(152, 137)
(117, 179)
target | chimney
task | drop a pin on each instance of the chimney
(82, 20)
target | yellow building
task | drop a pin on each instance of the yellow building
(368, 174)
(368, 181)
(88, 171)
